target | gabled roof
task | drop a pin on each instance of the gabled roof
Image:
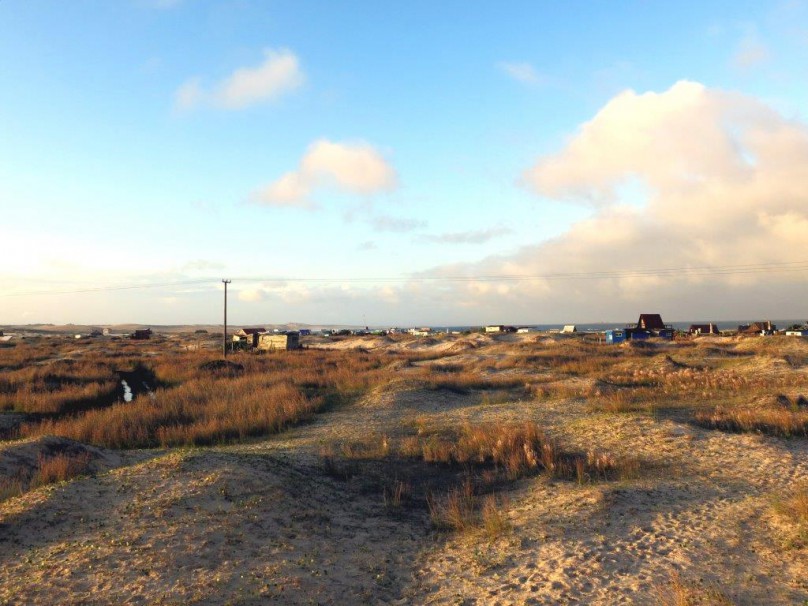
(252, 331)
(650, 322)
(759, 326)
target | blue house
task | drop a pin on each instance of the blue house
(649, 325)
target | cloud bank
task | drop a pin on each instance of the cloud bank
(723, 177)
(277, 75)
(357, 168)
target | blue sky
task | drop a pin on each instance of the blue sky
(156, 141)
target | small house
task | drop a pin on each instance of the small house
(523, 329)
(757, 328)
(282, 341)
(703, 329)
(304, 332)
(616, 335)
(494, 328)
(141, 334)
(569, 329)
(649, 325)
(797, 332)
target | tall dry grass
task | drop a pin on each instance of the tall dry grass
(764, 419)
(57, 387)
(50, 469)
(269, 394)
(513, 449)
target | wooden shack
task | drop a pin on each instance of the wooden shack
(141, 334)
(248, 337)
(279, 341)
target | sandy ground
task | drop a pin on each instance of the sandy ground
(263, 522)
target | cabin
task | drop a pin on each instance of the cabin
(758, 328)
(523, 329)
(797, 332)
(248, 337)
(703, 329)
(304, 332)
(141, 334)
(616, 335)
(569, 329)
(279, 342)
(649, 325)
(494, 328)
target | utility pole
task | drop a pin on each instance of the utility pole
(224, 332)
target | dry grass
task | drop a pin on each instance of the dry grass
(764, 419)
(59, 468)
(271, 393)
(494, 519)
(457, 511)
(793, 508)
(50, 469)
(513, 450)
(59, 386)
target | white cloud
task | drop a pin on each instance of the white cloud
(521, 72)
(672, 141)
(395, 224)
(350, 167)
(251, 295)
(478, 236)
(723, 174)
(277, 75)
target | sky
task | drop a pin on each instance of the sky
(418, 163)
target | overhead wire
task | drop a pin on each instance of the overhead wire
(692, 271)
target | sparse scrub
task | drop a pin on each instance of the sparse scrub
(793, 508)
(50, 469)
(678, 592)
(457, 511)
(495, 520)
(59, 468)
(396, 495)
(463, 382)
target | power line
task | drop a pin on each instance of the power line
(693, 271)
(108, 288)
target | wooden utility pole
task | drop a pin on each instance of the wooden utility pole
(224, 332)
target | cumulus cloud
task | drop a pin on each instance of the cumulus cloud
(357, 168)
(277, 75)
(723, 174)
(478, 236)
(521, 72)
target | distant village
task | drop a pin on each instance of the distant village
(648, 326)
